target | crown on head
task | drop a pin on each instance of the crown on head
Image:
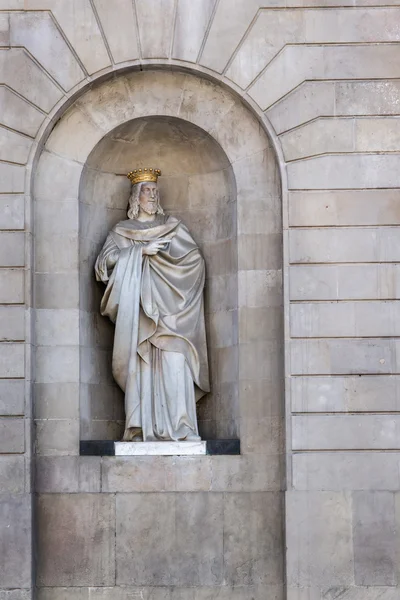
(139, 175)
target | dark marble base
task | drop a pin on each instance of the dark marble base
(106, 448)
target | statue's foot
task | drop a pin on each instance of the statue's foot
(133, 434)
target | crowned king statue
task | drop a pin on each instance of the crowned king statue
(155, 275)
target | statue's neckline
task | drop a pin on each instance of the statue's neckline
(135, 224)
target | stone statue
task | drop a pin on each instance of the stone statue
(155, 279)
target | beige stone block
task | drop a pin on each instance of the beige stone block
(65, 593)
(155, 21)
(12, 211)
(345, 319)
(95, 366)
(344, 207)
(338, 471)
(379, 134)
(57, 364)
(79, 24)
(57, 437)
(119, 25)
(345, 432)
(14, 147)
(301, 62)
(344, 245)
(48, 212)
(12, 439)
(196, 518)
(367, 97)
(268, 34)
(4, 30)
(260, 359)
(250, 473)
(321, 136)
(261, 399)
(223, 329)
(357, 171)
(365, 593)
(203, 189)
(11, 286)
(344, 282)
(253, 540)
(12, 397)
(12, 474)
(67, 474)
(230, 22)
(12, 323)
(22, 74)
(18, 114)
(344, 357)
(261, 436)
(57, 327)
(29, 29)
(310, 100)
(246, 139)
(66, 258)
(11, 178)
(380, 393)
(76, 538)
(319, 539)
(192, 20)
(63, 139)
(16, 540)
(262, 288)
(57, 178)
(256, 324)
(256, 252)
(12, 249)
(375, 538)
(12, 360)
(220, 592)
(221, 293)
(56, 400)
(52, 293)
(204, 103)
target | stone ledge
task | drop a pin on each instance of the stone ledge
(109, 448)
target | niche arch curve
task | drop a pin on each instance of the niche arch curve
(222, 116)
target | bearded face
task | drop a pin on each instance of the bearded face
(148, 197)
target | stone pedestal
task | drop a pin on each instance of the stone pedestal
(160, 448)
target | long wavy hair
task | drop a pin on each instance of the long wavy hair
(134, 206)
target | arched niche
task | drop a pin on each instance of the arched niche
(198, 187)
(251, 363)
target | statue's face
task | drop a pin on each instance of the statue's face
(148, 197)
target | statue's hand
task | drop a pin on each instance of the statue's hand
(153, 247)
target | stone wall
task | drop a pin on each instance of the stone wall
(322, 80)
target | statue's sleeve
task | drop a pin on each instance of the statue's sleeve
(106, 260)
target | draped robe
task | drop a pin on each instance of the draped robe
(156, 302)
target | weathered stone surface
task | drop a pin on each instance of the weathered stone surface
(346, 432)
(192, 20)
(345, 394)
(119, 25)
(19, 114)
(12, 439)
(344, 356)
(11, 209)
(58, 364)
(155, 22)
(51, 292)
(319, 539)
(12, 323)
(12, 178)
(15, 541)
(11, 286)
(375, 538)
(67, 474)
(57, 179)
(14, 146)
(345, 319)
(251, 473)
(346, 471)
(56, 400)
(12, 248)
(76, 539)
(344, 207)
(260, 288)
(57, 327)
(30, 29)
(56, 437)
(80, 26)
(345, 282)
(162, 522)
(12, 401)
(12, 360)
(345, 245)
(12, 474)
(22, 74)
(252, 532)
